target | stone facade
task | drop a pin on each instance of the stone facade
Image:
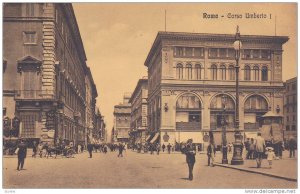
(290, 109)
(139, 111)
(122, 117)
(45, 66)
(189, 73)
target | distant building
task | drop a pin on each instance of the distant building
(139, 110)
(290, 109)
(190, 73)
(122, 117)
(44, 73)
(99, 132)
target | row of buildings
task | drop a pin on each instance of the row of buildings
(49, 94)
(190, 78)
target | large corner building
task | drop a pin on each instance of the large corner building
(189, 74)
(44, 73)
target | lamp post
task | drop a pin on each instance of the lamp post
(237, 145)
(224, 123)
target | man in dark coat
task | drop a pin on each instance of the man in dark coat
(22, 152)
(292, 147)
(190, 157)
(90, 149)
(121, 148)
(169, 148)
(211, 152)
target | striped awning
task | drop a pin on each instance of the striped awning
(154, 138)
(148, 137)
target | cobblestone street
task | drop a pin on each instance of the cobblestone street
(131, 171)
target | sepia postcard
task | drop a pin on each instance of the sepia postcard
(149, 96)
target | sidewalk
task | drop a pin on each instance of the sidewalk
(285, 168)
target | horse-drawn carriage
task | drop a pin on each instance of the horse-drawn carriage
(62, 150)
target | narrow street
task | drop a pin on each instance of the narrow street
(131, 171)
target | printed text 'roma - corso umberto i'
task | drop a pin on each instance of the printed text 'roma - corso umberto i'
(237, 16)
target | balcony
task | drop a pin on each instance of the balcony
(251, 126)
(34, 94)
(188, 126)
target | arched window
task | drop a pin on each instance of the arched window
(198, 71)
(214, 70)
(264, 73)
(188, 113)
(179, 71)
(231, 72)
(256, 102)
(256, 73)
(189, 71)
(247, 71)
(217, 105)
(223, 72)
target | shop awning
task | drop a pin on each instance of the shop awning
(154, 138)
(148, 137)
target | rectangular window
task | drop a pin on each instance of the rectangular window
(287, 119)
(198, 52)
(247, 53)
(293, 127)
(287, 127)
(178, 51)
(256, 53)
(29, 37)
(265, 54)
(222, 52)
(213, 52)
(4, 111)
(189, 52)
(28, 123)
(231, 53)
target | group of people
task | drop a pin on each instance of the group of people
(92, 147)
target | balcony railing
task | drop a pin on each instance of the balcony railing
(188, 126)
(34, 94)
(251, 126)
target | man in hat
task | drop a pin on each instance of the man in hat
(259, 148)
(190, 157)
(22, 152)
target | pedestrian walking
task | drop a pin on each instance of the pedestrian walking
(90, 149)
(105, 149)
(190, 157)
(259, 148)
(121, 148)
(211, 153)
(251, 149)
(292, 147)
(169, 148)
(34, 149)
(163, 147)
(157, 148)
(40, 149)
(22, 152)
(79, 148)
(247, 146)
(270, 155)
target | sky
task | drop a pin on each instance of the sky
(117, 37)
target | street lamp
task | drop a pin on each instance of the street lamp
(237, 158)
(224, 123)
